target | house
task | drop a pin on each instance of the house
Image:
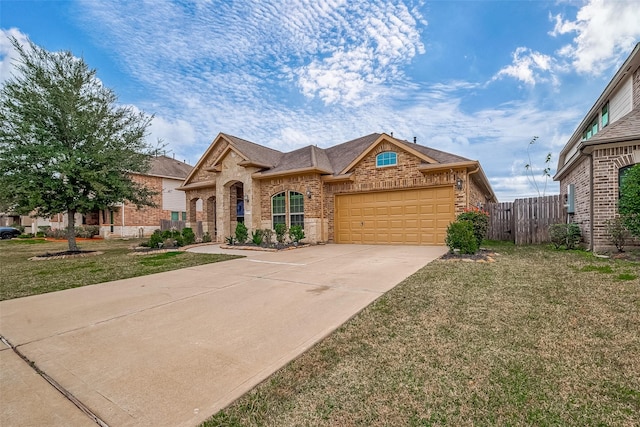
(375, 189)
(602, 148)
(165, 175)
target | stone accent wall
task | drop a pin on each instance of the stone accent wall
(606, 165)
(580, 177)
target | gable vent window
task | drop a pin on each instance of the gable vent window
(387, 158)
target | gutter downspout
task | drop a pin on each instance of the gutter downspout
(469, 181)
(591, 203)
(122, 228)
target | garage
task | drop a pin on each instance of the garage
(416, 216)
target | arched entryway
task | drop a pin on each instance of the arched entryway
(234, 209)
(210, 217)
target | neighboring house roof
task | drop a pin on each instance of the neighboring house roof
(167, 167)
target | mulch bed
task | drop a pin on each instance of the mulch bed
(65, 255)
(247, 247)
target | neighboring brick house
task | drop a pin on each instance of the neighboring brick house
(603, 147)
(373, 189)
(125, 220)
(164, 177)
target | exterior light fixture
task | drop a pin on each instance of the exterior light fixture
(458, 183)
(246, 198)
(308, 193)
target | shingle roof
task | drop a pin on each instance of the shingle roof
(168, 167)
(255, 152)
(625, 128)
(331, 160)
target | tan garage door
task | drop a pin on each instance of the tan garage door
(418, 217)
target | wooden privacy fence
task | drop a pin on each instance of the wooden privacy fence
(525, 221)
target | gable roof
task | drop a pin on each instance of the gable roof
(166, 167)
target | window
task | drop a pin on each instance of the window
(296, 209)
(288, 210)
(591, 130)
(184, 216)
(387, 158)
(279, 209)
(175, 216)
(605, 115)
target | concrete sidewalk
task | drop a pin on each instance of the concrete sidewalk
(174, 348)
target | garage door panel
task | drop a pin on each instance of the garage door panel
(394, 217)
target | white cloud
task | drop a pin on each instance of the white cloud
(8, 54)
(604, 31)
(529, 67)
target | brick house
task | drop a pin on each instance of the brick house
(373, 189)
(126, 220)
(602, 148)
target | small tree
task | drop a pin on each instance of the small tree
(629, 205)
(546, 172)
(242, 234)
(65, 146)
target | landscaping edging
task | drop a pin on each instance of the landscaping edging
(260, 248)
(66, 256)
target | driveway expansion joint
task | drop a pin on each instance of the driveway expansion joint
(66, 393)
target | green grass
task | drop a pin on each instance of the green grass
(537, 338)
(21, 277)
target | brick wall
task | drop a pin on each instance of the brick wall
(606, 165)
(580, 177)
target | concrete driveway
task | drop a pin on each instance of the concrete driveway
(174, 348)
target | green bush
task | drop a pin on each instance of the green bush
(629, 204)
(281, 232)
(188, 236)
(296, 233)
(618, 233)
(256, 237)
(206, 237)
(231, 240)
(460, 235)
(156, 240)
(567, 235)
(40, 234)
(242, 234)
(480, 221)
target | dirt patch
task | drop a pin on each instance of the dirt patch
(65, 255)
(483, 255)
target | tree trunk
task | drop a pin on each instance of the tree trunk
(71, 230)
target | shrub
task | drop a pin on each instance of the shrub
(257, 237)
(618, 233)
(480, 221)
(267, 235)
(629, 204)
(460, 235)
(567, 235)
(281, 231)
(40, 234)
(87, 231)
(156, 240)
(242, 234)
(206, 237)
(296, 233)
(231, 240)
(188, 236)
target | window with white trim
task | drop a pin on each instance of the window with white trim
(386, 158)
(287, 208)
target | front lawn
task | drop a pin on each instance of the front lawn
(20, 277)
(540, 337)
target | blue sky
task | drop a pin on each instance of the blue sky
(476, 78)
